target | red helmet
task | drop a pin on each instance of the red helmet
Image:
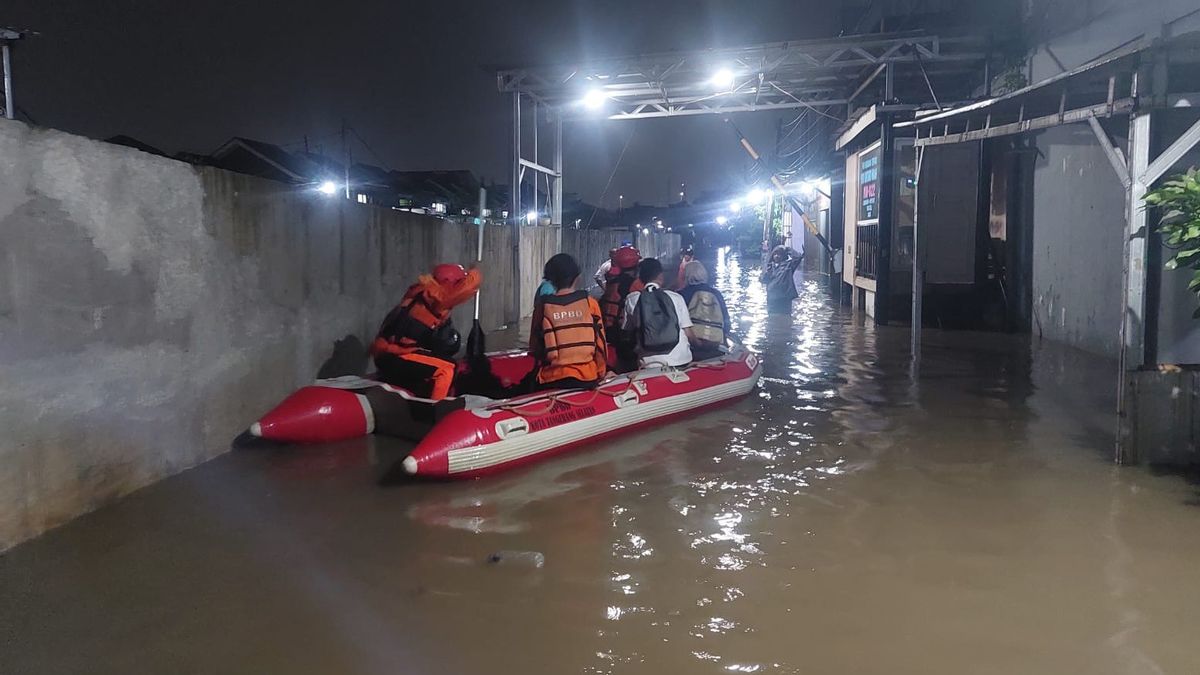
(449, 275)
(626, 258)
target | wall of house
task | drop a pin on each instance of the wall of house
(1107, 26)
(1078, 230)
(150, 310)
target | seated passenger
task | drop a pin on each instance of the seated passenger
(686, 255)
(567, 335)
(706, 307)
(417, 341)
(657, 320)
(621, 280)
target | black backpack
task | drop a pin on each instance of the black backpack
(657, 323)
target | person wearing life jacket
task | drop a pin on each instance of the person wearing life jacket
(706, 307)
(416, 343)
(686, 255)
(601, 275)
(567, 333)
(622, 279)
(658, 321)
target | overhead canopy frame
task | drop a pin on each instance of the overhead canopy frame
(772, 76)
(823, 77)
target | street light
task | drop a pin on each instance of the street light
(593, 99)
(722, 79)
(646, 231)
(531, 217)
(735, 207)
(327, 188)
(754, 196)
(721, 220)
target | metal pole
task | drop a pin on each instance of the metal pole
(557, 205)
(479, 249)
(10, 108)
(1134, 270)
(346, 158)
(918, 277)
(537, 219)
(515, 201)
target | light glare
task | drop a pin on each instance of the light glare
(593, 99)
(723, 78)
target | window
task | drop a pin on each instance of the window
(439, 207)
(362, 199)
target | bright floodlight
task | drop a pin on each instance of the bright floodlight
(736, 207)
(593, 99)
(645, 230)
(327, 188)
(723, 79)
(721, 220)
(531, 216)
(755, 196)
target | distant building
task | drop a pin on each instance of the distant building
(131, 142)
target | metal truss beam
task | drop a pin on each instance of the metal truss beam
(652, 110)
(680, 83)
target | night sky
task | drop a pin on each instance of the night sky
(414, 79)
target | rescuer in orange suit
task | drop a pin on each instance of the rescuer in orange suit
(417, 342)
(567, 333)
(622, 280)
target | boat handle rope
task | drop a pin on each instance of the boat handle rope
(553, 399)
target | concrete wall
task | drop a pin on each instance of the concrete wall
(1078, 226)
(1110, 24)
(151, 310)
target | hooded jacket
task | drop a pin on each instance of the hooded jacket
(778, 276)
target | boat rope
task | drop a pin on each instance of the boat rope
(566, 397)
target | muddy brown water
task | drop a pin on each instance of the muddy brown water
(846, 518)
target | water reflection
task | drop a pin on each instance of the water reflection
(843, 518)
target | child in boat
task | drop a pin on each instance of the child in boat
(567, 334)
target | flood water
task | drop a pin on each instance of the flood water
(845, 518)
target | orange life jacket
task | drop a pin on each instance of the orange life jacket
(410, 325)
(570, 334)
(612, 302)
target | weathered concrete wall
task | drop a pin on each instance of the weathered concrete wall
(149, 311)
(1079, 221)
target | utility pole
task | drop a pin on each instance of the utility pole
(346, 157)
(7, 37)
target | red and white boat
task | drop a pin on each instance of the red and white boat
(469, 436)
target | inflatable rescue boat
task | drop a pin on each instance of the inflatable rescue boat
(469, 436)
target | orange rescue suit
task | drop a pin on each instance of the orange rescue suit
(567, 338)
(426, 305)
(617, 288)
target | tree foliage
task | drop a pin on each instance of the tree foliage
(1179, 202)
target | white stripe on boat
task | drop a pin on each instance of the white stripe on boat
(521, 445)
